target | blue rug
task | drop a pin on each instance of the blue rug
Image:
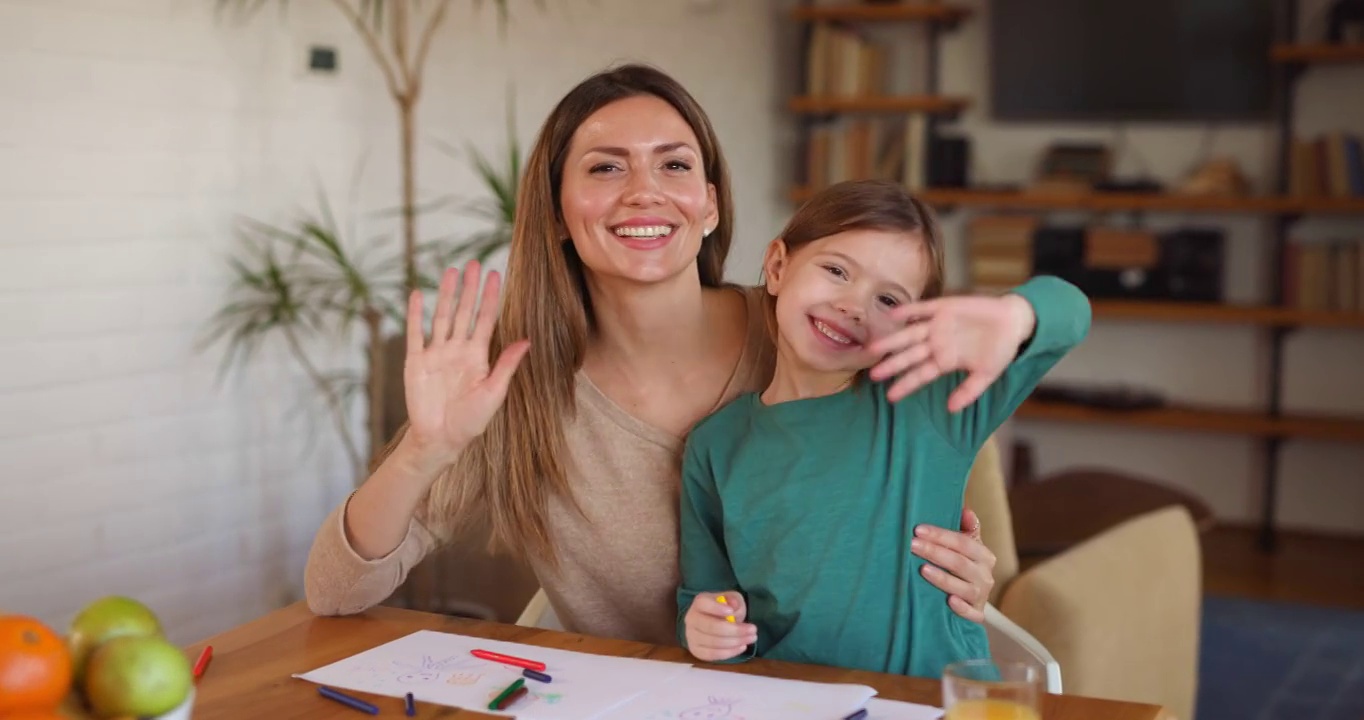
(1280, 661)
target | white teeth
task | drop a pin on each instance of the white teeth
(644, 231)
(832, 334)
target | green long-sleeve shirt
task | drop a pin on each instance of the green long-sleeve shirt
(807, 507)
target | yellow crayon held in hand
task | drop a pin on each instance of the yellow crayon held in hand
(721, 599)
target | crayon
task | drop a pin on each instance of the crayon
(535, 675)
(202, 663)
(857, 715)
(409, 705)
(511, 699)
(721, 599)
(496, 704)
(344, 699)
(508, 659)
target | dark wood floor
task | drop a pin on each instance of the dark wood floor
(1308, 568)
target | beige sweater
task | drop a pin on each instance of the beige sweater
(618, 573)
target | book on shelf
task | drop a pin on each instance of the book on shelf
(1324, 275)
(858, 148)
(1000, 250)
(1326, 165)
(841, 62)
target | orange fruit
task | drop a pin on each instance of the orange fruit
(35, 667)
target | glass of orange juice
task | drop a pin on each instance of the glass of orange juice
(989, 690)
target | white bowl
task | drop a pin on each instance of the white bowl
(181, 711)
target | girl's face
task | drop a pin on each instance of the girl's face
(834, 295)
(634, 193)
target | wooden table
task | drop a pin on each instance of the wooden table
(250, 675)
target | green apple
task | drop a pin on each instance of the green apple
(103, 620)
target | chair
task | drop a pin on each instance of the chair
(1119, 611)
(539, 613)
(1011, 643)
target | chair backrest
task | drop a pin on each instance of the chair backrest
(1121, 610)
(539, 613)
(1009, 642)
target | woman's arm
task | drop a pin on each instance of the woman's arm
(368, 544)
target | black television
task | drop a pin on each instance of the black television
(1116, 60)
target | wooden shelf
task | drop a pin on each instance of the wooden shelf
(1118, 202)
(1225, 314)
(932, 104)
(903, 12)
(1237, 422)
(1318, 54)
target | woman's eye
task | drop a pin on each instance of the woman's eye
(678, 165)
(604, 167)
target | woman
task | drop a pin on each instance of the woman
(616, 335)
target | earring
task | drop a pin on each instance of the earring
(707, 233)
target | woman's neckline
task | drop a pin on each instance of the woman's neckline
(653, 433)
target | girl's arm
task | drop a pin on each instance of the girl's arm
(970, 361)
(711, 612)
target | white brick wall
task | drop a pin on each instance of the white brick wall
(131, 133)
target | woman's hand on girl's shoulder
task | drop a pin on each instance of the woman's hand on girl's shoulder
(978, 334)
(451, 388)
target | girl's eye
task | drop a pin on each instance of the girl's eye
(836, 271)
(888, 300)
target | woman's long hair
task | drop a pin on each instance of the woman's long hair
(511, 470)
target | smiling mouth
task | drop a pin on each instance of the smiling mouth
(644, 232)
(834, 335)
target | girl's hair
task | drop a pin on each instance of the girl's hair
(865, 205)
(511, 470)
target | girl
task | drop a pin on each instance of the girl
(799, 502)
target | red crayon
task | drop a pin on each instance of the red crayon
(508, 659)
(202, 663)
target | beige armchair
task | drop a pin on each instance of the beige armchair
(1119, 612)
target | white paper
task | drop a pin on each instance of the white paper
(878, 709)
(437, 667)
(716, 695)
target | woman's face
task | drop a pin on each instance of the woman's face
(634, 193)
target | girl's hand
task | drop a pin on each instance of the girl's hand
(978, 334)
(451, 390)
(716, 630)
(959, 565)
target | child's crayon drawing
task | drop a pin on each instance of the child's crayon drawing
(427, 670)
(714, 709)
(440, 668)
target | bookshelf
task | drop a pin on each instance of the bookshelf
(1214, 420)
(944, 14)
(929, 104)
(1317, 54)
(950, 198)
(1290, 201)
